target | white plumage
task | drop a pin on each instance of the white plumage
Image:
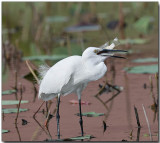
(72, 74)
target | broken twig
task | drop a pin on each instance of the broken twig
(31, 70)
(19, 103)
(137, 117)
(147, 122)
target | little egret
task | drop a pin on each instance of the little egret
(72, 74)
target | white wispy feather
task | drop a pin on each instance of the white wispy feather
(42, 70)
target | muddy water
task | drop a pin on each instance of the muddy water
(121, 120)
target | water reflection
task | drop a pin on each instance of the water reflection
(138, 134)
(43, 127)
(46, 130)
(108, 88)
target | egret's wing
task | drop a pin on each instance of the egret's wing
(115, 43)
(54, 80)
(58, 76)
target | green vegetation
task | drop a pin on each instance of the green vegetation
(143, 69)
(13, 110)
(12, 102)
(91, 114)
(36, 26)
(6, 92)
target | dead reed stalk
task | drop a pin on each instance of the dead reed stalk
(19, 103)
(147, 123)
(31, 70)
(137, 117)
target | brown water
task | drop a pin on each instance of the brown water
(121, 119)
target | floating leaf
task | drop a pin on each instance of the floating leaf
(5, 131)
(83, 28)
(58, 19)
(13, 110)
(12, 102)
(144, 24)
(82, 137)
(6, 92)
(72, 139)
(143, 60)
(45, 57)
(30, 76)
(91, 114)
(133, 41)
(142, 69)
(146, 135)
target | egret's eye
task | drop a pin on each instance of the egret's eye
(96, 51)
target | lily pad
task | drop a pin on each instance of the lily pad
(56, 19)
(142, 69)
(6, 92)
(133, 41)
(73, 138)
(144, 24)
(12, 102)
(145, 60)
(91, 114)
(146, 135)
(45, 57)
(73, 29)
(30, 76)
(5, 131)
(13, 110)
(81, 137)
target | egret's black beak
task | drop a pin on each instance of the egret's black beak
(110, 52)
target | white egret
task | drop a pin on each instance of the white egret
(72, 74)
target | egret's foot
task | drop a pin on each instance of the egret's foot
(58, 129)
(81, 124)
(58, 137)
(58, 118)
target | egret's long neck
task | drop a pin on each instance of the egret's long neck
(96, 69)
(90, 65)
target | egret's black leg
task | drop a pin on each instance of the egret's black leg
(58, 117)
(81, 120)
(46, 108)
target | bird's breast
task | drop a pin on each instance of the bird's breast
(96, 73)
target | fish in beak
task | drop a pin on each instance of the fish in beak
(110, 53)
(108, 50)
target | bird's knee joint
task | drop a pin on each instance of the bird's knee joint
(58, 116)
(81, 121)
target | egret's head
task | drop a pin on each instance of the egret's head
(99, 54)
